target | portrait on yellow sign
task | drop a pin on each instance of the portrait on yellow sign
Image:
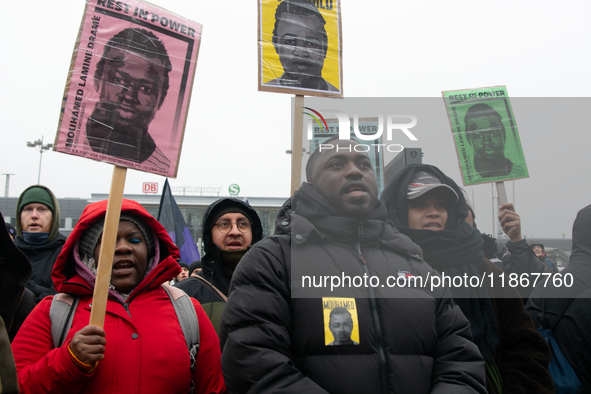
(300, 47)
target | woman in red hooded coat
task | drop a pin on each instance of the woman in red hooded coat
(142, 348)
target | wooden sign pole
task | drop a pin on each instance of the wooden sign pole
(502, 193)
(296, 144)
(107, 248)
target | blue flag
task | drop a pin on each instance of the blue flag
(170, 216)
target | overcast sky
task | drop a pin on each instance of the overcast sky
(235, 134)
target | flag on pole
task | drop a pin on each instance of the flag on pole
(170, 216)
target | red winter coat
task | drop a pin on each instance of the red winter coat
(146, 350)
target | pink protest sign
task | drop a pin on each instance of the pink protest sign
(129, 86)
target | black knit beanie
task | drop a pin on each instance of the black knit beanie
(194, 265)
(228, 208)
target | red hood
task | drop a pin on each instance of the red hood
(64, 275)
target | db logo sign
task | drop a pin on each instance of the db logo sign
(150, 187)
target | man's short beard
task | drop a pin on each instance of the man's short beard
(359, 212)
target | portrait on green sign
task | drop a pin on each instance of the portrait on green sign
(487, 136)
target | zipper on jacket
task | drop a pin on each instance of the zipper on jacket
(376, 322)
(126, 306)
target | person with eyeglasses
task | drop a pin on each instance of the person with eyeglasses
(230, 227)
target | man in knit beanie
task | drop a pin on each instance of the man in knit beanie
(38, 236)
(230, 227)
(195, 268)
(184, 272)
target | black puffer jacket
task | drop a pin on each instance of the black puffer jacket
(212, 270)
(573, 330)
(413, 342)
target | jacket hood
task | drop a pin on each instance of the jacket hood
(55, 223)
(208, 246)
(442, 249)
(395, 195)
(66, 271)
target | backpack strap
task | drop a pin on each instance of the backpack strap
(212, 288)
(61, 314)
(187, 316)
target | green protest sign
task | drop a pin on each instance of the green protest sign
(485, 135)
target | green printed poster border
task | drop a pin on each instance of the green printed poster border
(479, 161)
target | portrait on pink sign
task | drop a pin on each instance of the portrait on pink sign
(129, 86)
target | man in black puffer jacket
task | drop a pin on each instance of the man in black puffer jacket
(403, 339)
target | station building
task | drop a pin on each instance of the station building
(192, 207)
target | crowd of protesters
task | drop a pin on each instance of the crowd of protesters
(259, 330)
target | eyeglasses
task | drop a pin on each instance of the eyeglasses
(225, 226)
